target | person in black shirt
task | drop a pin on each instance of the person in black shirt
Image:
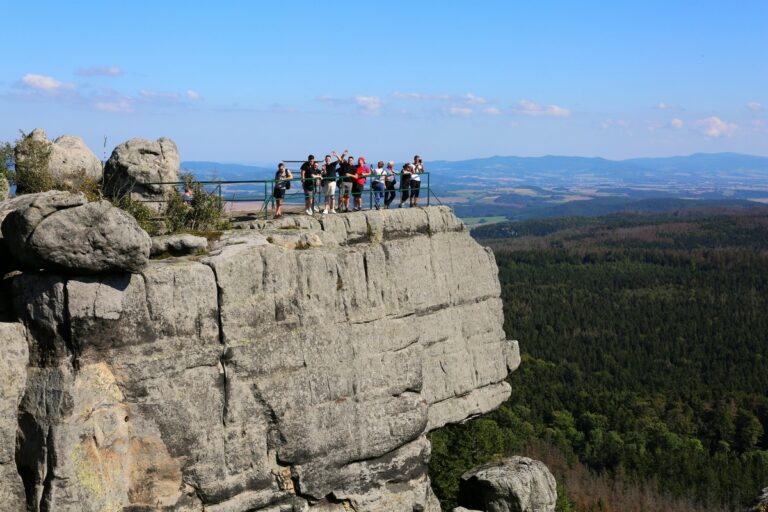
(281, 178)
(329, 182)
(348, 173)
(405, 184)
(308, 183)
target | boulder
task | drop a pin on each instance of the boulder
(62, 231)
(178, 245)
(13, 377)
(137, 166)
(70, 161)
(516, 484)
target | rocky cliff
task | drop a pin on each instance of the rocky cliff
(296, 366)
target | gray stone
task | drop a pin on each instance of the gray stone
(178, 245)
(516, 484)
(137, 166)
(71, 161)
(298, 366)
(13, 377)
(63, 232)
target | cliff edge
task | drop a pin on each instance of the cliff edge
(296, 366)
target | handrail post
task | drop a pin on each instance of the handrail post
(429, 188)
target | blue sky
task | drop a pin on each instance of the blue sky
(256, 82)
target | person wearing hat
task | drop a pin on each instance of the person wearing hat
(390, 181)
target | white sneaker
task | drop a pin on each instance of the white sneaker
(325, 212)
(308, 211)
(333, 211)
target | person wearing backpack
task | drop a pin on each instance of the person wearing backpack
(282, 182)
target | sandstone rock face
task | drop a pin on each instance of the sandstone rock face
(62, 231)
(517, 484)
(138, 163)
(178, 244)
(13, 377)
(70, 159)
(270, 375)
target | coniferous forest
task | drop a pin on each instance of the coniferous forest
(644, 375)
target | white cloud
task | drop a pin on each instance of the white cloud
(676, 123)
(459, 111)
(369, 104)
(44, 83)
(100, 71)
(474, 100)
(468, 98)
(492, 111)
(608, 123)
(754, 106)
(664, 106)
(715, 127)
(530, 108)
(158, 95)
(118, 105)
(193, 95)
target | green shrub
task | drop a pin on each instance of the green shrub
(31, 172)
(203, 213)
(141, 212)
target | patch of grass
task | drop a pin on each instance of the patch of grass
(479, 221)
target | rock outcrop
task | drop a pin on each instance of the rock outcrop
(274, 374)
(178, 244)
(62, 231)
(516, 484)
(13, 377)
(137, 166)
(70, 161)
(761, 502)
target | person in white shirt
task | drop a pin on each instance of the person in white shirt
(418, 169)
(379, 175)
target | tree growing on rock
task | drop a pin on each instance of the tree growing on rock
(31, 163)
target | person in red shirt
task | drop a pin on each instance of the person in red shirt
(361, 173)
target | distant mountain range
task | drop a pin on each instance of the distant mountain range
(717, 169)
(700, 168)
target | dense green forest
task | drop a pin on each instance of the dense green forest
(644, 381)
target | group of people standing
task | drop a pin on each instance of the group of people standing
(349, 179)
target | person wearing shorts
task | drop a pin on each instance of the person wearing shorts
(329, 182)
(282, 176)
(347, 177)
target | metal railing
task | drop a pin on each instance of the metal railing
(261, 192)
